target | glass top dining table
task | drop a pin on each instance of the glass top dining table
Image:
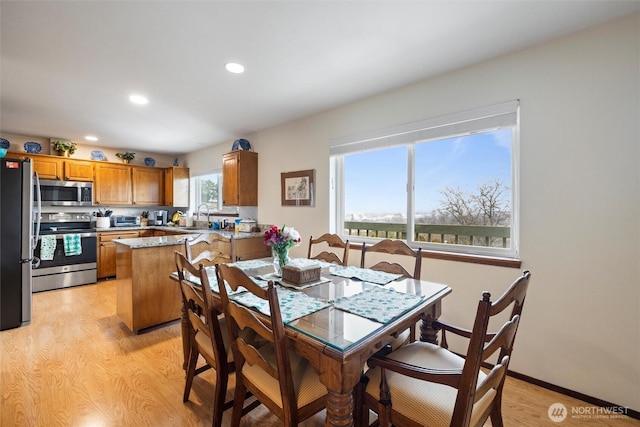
(340, 320)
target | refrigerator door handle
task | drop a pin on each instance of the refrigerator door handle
(38, 214)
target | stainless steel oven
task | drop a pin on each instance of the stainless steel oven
(68, 256)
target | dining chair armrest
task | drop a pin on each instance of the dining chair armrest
(450, 377)
(439, 325)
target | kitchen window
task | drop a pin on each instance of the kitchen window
(445, 184)
(207, 190)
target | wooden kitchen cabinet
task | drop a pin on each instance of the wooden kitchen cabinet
(113, 184)
(251, 248)
(61, 168)
(240, 178)
(176, 186)
(107, 250)
(78, 170)
(148, 186)
(47, 167)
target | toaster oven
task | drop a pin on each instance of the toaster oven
(125, 221)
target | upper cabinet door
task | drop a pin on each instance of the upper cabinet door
(78, 170)
(47, 167)
(240, 178)
(176, 187)
(113, 184)
(148, 186)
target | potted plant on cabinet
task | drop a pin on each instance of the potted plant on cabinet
(126, 157)
(63, 147)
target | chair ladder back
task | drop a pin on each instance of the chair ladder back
(332, 241)
(515, 294)
(394, 247)
(209, 310)
(239, 317)
(502, 340)
(473, 361)
(212, 255)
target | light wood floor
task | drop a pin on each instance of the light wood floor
(77, 365)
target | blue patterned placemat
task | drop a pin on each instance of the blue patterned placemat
(366, 275)
(379, 304)
(293, 305)
(278, 280)
(250, 264)
(213, 282)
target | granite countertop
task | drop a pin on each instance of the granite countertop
(155, 241)
(185, 231)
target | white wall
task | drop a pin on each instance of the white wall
(580, 198)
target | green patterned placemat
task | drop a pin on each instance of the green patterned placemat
(366, 275)
(293, 305)
(379, 304)
(250, 264)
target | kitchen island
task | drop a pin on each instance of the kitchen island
(146, 296)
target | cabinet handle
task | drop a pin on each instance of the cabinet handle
(57, 177)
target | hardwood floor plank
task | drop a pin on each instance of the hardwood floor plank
(77, 364)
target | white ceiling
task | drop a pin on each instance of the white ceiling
(68, 67)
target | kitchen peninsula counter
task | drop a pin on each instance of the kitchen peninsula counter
(146, 296)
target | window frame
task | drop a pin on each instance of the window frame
(499, 116)
(195, 190)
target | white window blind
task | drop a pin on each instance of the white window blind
(480, 119)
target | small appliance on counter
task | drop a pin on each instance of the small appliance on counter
(158, 217)
(125, 221)
(245, 225)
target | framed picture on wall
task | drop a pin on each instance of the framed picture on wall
(297, 188)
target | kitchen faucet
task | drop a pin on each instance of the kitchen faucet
(208, 211)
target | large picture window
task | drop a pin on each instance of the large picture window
(445, 184)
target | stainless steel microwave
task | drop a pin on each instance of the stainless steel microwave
(66, 193)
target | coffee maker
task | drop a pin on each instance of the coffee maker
(158, 217)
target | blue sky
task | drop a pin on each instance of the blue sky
(376, 180)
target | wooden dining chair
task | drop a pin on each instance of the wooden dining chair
(425, 384)
(277, 376)
(209, 256)
(208, 336)
(328, 240)
(397, 249)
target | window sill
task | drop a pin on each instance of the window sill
(474, 259)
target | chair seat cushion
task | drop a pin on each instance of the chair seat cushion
(425, 402)
(206, 347)
(306, 382)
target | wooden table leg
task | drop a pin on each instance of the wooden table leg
(427, 333)
(339, 409)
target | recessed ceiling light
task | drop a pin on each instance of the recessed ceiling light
(139, 99)
(91, 138)
(234, 68)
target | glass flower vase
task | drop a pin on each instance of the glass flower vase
(280, 259)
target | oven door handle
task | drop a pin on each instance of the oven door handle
(61, 236)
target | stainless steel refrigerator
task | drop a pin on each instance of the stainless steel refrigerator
(18, 234)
